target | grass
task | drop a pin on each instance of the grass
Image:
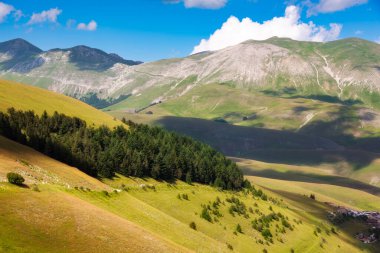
(38, 168)
(26, 97)
(215, 236)
(277, 108)
(309, 180)
(53, 221)
(148, 215)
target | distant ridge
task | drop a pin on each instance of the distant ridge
(24, 56)
(346, 69)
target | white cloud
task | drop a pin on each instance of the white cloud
(5, 10)
(45, 16)
(378, 40)
(234, 31)
(203, 4)
(358, 32)
(89, 27)
(326, 6)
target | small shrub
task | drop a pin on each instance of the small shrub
(192, 225)
(15, 178)
(247, 184)
(312, 196)
(291, 250)
(229, 246)
(185, 196)
(266, 233)
(206, 215)
(285, 223)
(105, 193)
(238, 229)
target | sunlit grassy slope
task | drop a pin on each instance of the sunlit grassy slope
(55, 221)
(72, 212)
(144, 215)
(26, 97)
(40, 169)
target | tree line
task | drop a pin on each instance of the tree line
(140, 151)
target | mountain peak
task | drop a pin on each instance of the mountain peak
(19, 47)
(95, 59)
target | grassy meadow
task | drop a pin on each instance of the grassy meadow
(133, 214)
(26, 97)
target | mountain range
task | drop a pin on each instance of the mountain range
(346, 69)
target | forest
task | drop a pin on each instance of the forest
(139, 151)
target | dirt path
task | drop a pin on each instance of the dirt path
(308, 118)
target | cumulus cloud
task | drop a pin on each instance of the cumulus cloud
(203, 4)
(45, 16)
(5, 10)
(234, 31)
(88, 27)
(326, 6)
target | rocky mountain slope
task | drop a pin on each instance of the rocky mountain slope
(74, 71)
(348, 69)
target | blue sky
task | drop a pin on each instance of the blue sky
(153, 29)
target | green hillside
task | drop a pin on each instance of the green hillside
(330, 134)
(61, 208)
(26, 97)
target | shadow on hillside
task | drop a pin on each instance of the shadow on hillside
(339, 127)
(314, 178)
(273, 146)
(291, 93)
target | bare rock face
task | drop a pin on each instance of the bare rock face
(332, 67)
